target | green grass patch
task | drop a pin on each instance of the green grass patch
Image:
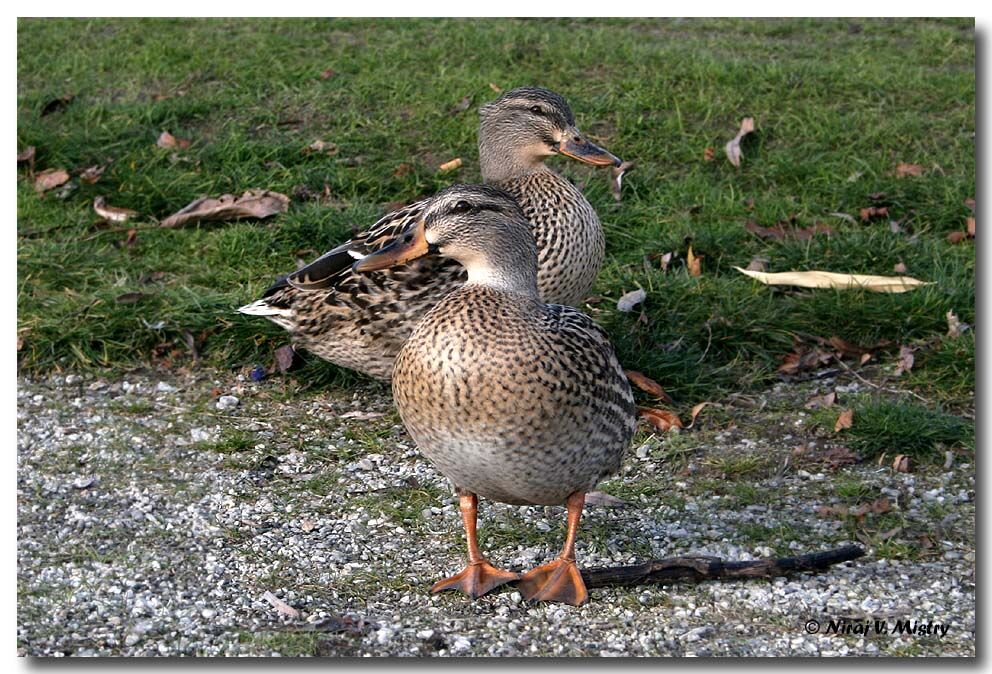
(905, 428)
(836, 110)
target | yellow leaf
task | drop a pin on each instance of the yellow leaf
(826, 279)
(845, 420)
(693, 263)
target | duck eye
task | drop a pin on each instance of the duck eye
(537, 110)
(462, 207)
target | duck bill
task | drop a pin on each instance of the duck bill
(409, 246)
(577, 146)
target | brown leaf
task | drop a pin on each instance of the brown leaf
(321, 146)
(906, 360)
(733, 148)
(450, 165)
(970, 203)
(56, 104)
(628, 301)
(91, 174)
(616, 177)
(955, 328)
(112, 213)
(190, 343)
(902, 464)
(495, 88)
(904, 170)
(970, 227)
(49, 179)
(132, 238)
(757, 264)
(844, 421)
(835, 457)
(872, 212)
(708, 154)
(865, 357)
(27, 154)
(956, 237)
(821, 401)
(168, 141)
(647, 384)
(327, 74)
(285, 355)
(402, 170)
(900, 268)
(663, 259)
(462, 105)
(802, 359)
(694, 412)
(252, 204)
(846, 349)
(693, 263)
(662, 420)
(131, 298)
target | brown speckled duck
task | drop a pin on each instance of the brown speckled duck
(360, 321)
(511, 398)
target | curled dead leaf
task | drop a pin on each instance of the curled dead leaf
(902, 464)
(955, 328)
(661, 420)
(450, 165)
(285, 356)
(402, 170)
(112, 213)
(320, 146)
(872, 212)
(906, 361)
(826, 279)
(821, 401)
(327, 74)
(956, 237)
(905, 170)
(252, 204)
(970, 203)
(733, 148)
(970, 227)
(91, 174)
(708, 154)
(757, 264)
(693, 263)
(26, 155)
(50, 179)
(616, 177)
(628, 301)
(168, 141)
(648, 385)
(696, 409)
(900, 268)
(131, 298)
(844, 421)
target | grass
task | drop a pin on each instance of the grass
(838, 104)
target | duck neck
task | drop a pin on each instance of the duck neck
(509, 267)
(503, 161)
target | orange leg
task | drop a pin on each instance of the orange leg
(559, 580)
(479, 576)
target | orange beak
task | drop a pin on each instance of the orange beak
(409, 246)
(577, 146)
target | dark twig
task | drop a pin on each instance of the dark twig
(700, 568)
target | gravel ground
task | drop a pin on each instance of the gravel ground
(154, 515)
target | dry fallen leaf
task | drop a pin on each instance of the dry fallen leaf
(49, 179)
(647, 384)
(130, 239)
(696, 409)
(835, 457)
(757, 264)
(955, 328)
(956, 237)
(327, 74)
(693, 263)
(844, 420)
(168, 141)
(91, 174)
(450, 165)
(733, 148)
(970, 228)
(826, 279)
(601, 498)
(900, 268)
(708, 154)
(402, 170)
(821, 401)
(803, 359)
(662, 420)
(307, 525)
(904, 170)
(906, 360)
(970, 203)
(131, 298)
(628, 301)
(902, 464)
(26, 155)
(112, 213)
(616, 177)
(281, 606)
(462, 105)
(285, 355)
(321, 146)
(873, 212)
(252, 204)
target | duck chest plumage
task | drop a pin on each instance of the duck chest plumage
(513, 399)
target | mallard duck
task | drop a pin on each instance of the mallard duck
(513, 399)
(360, 322)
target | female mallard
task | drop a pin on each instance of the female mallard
(511, 398)
(360, 322)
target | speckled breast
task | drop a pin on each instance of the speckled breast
(509, 405)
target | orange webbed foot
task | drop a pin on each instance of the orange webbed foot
(559, 580)
(476, 579)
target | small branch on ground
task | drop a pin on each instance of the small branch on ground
(700, 568)
(879, 386)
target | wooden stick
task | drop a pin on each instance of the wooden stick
(700, 568)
